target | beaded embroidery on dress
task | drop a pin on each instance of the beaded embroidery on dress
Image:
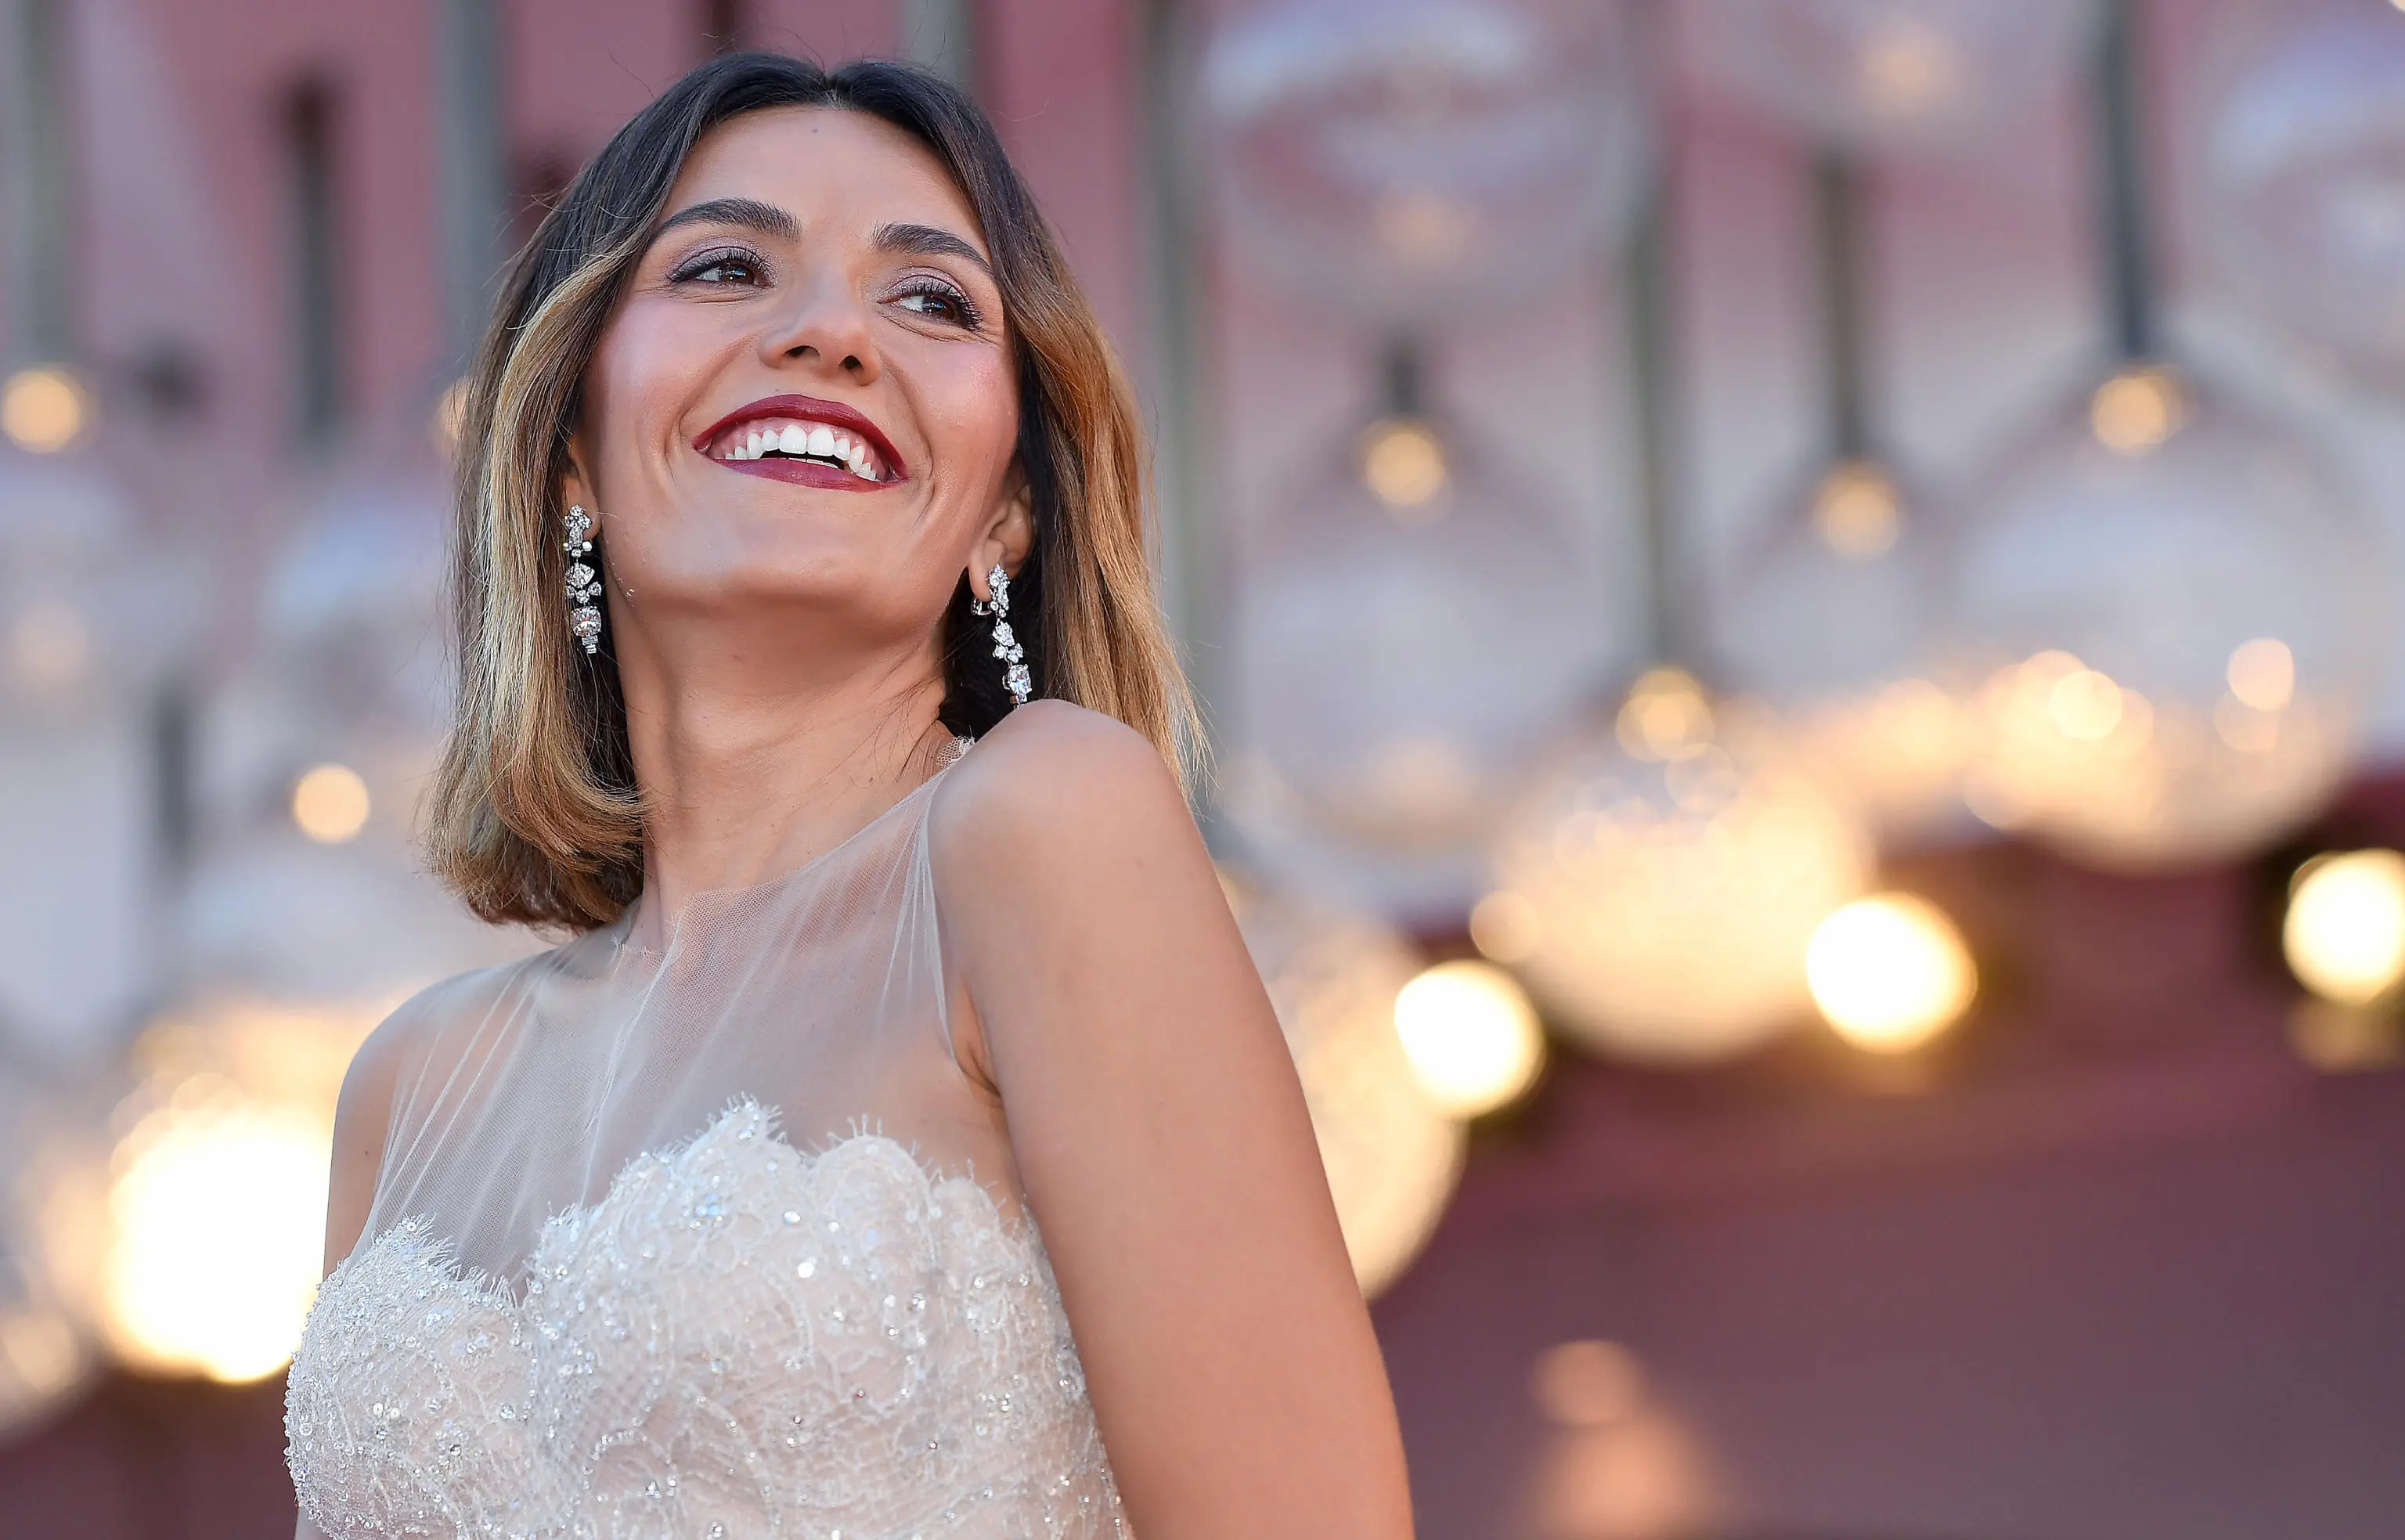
(728, 1335)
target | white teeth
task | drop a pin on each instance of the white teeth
(803, 438)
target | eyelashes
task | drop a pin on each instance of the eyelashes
(955, 305)
(926, 294)
(725, 259)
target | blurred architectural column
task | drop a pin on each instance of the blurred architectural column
(475, 186)
(33, 130)
(941, 34)
(1194, 535)
(74, 749)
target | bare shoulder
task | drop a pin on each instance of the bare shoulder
(400, 1044)
(1059, 778)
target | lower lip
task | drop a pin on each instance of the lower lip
(804, 473)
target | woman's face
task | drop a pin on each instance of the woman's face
(805, 401)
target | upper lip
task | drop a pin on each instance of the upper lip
(834, 413)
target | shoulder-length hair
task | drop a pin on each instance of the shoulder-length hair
(534, 816)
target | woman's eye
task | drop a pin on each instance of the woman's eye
(720, 267)
(942, 302)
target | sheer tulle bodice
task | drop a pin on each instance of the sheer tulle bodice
(600, 1293)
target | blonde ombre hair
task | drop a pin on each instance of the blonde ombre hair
(535, 816)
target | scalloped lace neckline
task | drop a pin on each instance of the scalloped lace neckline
(748, 1120)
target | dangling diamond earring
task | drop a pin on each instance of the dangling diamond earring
(584, 584)
(1005, 642)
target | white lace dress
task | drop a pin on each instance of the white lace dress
(601, 1294)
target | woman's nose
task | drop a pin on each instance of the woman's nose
(827, 326)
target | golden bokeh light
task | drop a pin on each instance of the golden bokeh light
(217, 1199)
(331, 804)
(2138, 410)
(1504, 927)
(2345, 931)
(1889, 972)
(220, 1215)
(43, 408)
(2085, 704)
(2263, 673)
(1403, 463)
(1908, 67)
(1423, 227)
(1664, 717)
(2345, 1040)
(49, 647)
(1857, 510)
(2132, 784)
(1471, 1035)
(1587, 1384)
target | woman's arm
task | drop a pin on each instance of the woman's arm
(1162, 1135)
(361, 1117)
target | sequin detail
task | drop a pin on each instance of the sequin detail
(736, 1340)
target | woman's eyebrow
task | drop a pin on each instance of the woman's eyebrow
(926, 240)
(749, 212)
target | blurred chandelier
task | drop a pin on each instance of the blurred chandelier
(1830, 617)
(2174, 601)
(1414, 625)
(2305, 182)
(1392, 1152)
(1384, 156)
(1887, 75)
(1659, 886)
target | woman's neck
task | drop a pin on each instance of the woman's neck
(742, 784)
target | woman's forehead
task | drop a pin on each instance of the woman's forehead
(830, 167)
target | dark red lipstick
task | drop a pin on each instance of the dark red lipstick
(806, 472)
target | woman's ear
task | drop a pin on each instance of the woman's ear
(574, 490)
(1007, 537)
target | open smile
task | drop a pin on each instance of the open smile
(804, 440)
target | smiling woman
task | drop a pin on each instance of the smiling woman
(794, 386)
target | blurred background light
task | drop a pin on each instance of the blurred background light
(1890, 971)
(1587, 1384)
(331, 804)
(2134, 411)
(1619, 1467)
(217, 1193)
(1892, 74)
(1429, 152)
(217, 1255)
(1673, 873)
(43, 408)
(2345, 931)
(1391, 1149)
(1402, 462)
(1472, 1035)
